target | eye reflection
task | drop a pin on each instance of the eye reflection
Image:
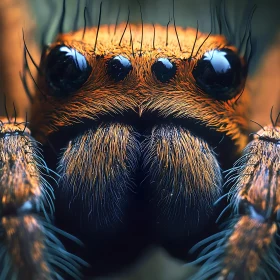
(78, 58)
(218, 61)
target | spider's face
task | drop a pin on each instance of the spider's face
(156, 119)
(117, 80)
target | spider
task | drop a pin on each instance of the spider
(138, 123)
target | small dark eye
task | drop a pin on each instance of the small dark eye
(118, 67)
(164, 70)
(220, 73)
(66, 70)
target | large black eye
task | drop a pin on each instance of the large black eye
(66, 70)
(118, 67)
(164, 69)
(220, 73)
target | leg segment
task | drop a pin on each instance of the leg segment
(247, 248)
(28, 248)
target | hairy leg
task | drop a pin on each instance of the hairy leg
(28, 247)
(247, 248)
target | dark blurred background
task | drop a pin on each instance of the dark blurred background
(34, 15)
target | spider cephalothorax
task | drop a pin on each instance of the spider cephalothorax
(141, 121)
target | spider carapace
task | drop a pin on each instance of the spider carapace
(139, 124)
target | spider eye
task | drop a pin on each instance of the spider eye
(220, 73)
(164, 69)
(118, 67)
(66, 70)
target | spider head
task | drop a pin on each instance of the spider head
(199, 82)
(126, 110)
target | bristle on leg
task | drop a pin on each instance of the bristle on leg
(248, 249)
(28, 248)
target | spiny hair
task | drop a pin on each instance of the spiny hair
(29, 248)
(247, 246)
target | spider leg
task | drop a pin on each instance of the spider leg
(28, 247)
(248, 248)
